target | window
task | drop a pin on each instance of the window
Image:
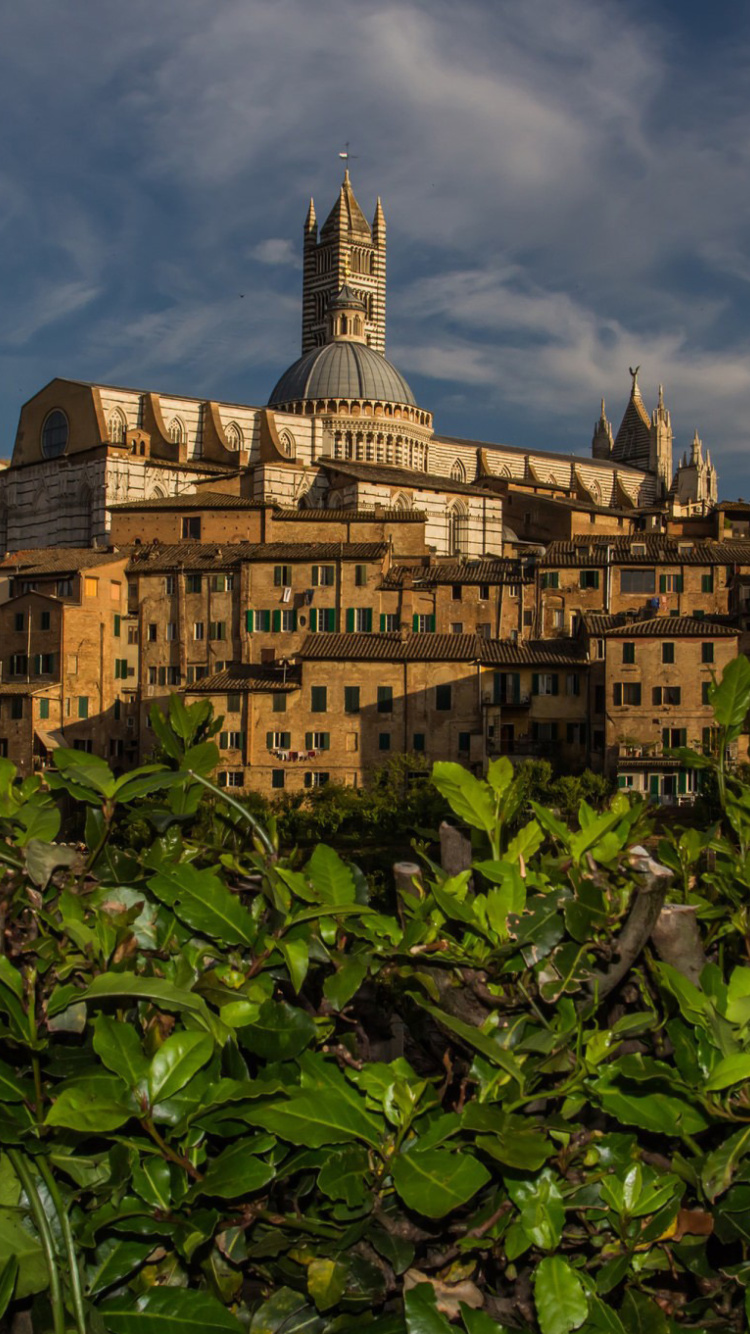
(218, 629)
(277, 778)
(551, 579)
(19, 664)
(360, 576)
(16, 706)
(707, 583)
(670, 583)
(628, 653)
(218, 583)
(384, 741)
(44, 708)
(528, 618)
(359, 620)
(116, 624)
(19, 620)
(666, 694)
(198, 630)
(456, 592)
(194, 583)
(323, 576)
(319, 699)
(544, 731)
(572, 684)
(65, 588)
(231, 740)
(121, 669)
(83, 706)
(54, 434)
(558, 619)
(484, 592)
(514, 590)
(672, 737)
(282, 576)
(424, 625)
(257, 620)
(314, 778)
(637, 581)
(707, 652)
(194, 673)
(91, 586)
(116, 748)
(288, 620)
(627, 692)
(323, 619)
(544, 683)
(170, 631)
(172, 675)
(86, 746)
(385, 699)
(115, 590)
(279, 703)
(191, 528)
(132, 634)
(418, 742)
(234, 703)
(317, 740)
(698, 613)
(457, 627)
(169, 585)
(151, 632)
(575, 734)
(464, 743)
(389, 623)
(667, 651)
(589, 579)
(706, 692)
(152, 676)
(443, 695)
(351, 699)
(278, 740)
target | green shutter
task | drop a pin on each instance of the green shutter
(683, 736)
(617, 693)
(276, 620)
(662, 583)
(117, 626)
(620, 780)
(294, 619)
(313, 617)
(681, 781)
(382, 623)
(516, 679)
(250, 620)
(432, 625)
(326, 741)
(679, 584)
(415, 623)
(350, 620)
(496, 686)
(269, 740)
(368, 620)
(535, 683)
(596, 578)
(654, 785)
(308, 740)
(555, 685)
(315, 570)
(665, 737)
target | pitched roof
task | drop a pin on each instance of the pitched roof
(535, 455)
(349, 516)
(200, 500)
(390, 475)
(157, 556)
(440, 648)
(643, 549)
(633, 440)
(346, 215)
(59, 560)
(487, 571)
(659, 627)
(246, 679)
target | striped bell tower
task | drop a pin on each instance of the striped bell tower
(348, 251)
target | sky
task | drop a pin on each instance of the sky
(566, 185)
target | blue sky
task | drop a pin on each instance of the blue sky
(566, 186)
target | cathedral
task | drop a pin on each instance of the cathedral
(341, 430)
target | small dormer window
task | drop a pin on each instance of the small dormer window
(638, 549)
(54, 434)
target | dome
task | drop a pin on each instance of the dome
(342, 369)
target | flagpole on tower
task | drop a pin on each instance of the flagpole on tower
(347, 156)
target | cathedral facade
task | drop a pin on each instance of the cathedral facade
(341, 428)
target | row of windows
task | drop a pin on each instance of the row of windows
(668, 652)
(40, 664)
(217, 583)
(632, 581)
(216, 630)
(630, 692)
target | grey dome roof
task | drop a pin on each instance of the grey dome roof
(342, 370)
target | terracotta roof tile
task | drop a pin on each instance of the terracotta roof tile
(643, 549)
(349, 516)
(208, 556)
(59, 560)
(247, 679)
(390, 475)
(487, 571)
(661, 627)
(200, 500)
(439, 648)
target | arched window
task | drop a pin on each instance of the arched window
(458, 471)
(54, 434)
(116, 427)
(401, 502)
(176, 431)
(458, 530)
(287, 442)
(233, 435)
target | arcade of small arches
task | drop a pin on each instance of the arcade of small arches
(307, 407)
(381, 447)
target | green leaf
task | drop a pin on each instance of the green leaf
(344, 1176)
(13, 1089)
(116, 1259)
(297, 959)
(11, 976)
(559, 1295)
(642, 1316)
(480, 1041)
(277, 1311)
(88, 1107)
(731, 1070)
(152, 1180)
(468, 797)
(720, 1166)
(168, 1310)
(236, 1171)
(326, 1282)
(165, 994)
(16, 1243)
(117, 1045)
(663, 1113)
(315, 1117)
(204, 903)
(176, 1061)
(436, 1181)
(330, 876)
(346, 981)
(8, 1276)
(279, 1033)
(420, 1310)
(730, 699)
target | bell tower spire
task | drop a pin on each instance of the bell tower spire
(346, 251)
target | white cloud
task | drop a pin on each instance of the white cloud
(277, 250)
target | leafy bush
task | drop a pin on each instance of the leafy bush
(240, 1092)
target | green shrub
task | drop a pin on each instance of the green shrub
(238, 1093)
